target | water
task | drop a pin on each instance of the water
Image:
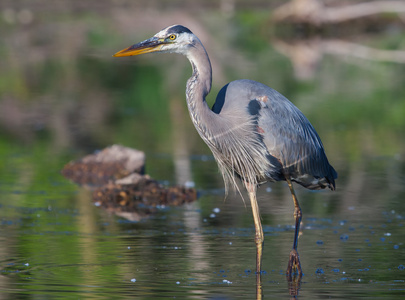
(68, 248)
(62, 96)
(180, 260)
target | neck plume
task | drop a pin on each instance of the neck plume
(228, 136)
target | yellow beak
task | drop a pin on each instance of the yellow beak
(153, 44)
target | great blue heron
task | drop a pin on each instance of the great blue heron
(253, 131)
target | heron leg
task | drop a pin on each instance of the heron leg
(294, 264)
(259, 238)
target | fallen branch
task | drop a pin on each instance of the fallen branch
(341, 14)
(314, 11)
(347, 48)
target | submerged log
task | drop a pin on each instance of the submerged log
(143, 195)
(116, 176)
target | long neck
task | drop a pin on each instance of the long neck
(198, 87)
(232, 146)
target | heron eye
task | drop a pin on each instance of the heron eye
(172, 37)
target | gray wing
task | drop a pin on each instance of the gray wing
(288, 135)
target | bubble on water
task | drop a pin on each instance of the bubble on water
(26, 264)
(226, 281)
(177, 282)
(230, 243)
(387, 234)
(268, 189)
(133, 280)
(212, 215)
(129, 247)
(401, 267)
(216, 210)
(396, 247)
(189, 184)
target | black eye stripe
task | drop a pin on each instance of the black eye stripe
(179, 29)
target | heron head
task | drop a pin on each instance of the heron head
(176, 39)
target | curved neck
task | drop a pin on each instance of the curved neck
(230, 137)
(198, 87)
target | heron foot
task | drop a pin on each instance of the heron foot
(294, 269)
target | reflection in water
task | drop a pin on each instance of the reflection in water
(294, 285)
(207, 255)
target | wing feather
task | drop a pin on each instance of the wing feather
(288, 136)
